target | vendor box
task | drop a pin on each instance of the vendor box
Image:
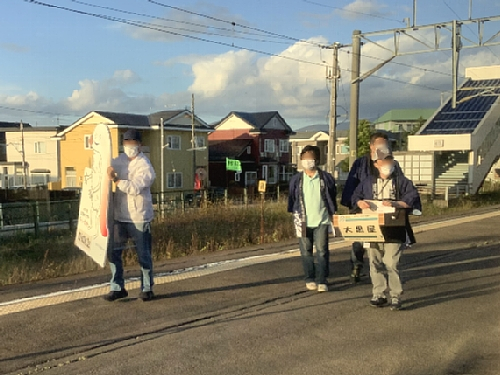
(367, 227)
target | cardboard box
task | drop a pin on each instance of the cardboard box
(367, 227)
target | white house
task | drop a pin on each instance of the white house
(41, 156)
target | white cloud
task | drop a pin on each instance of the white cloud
(361, 9)
(244, 80)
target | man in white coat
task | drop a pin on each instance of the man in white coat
(133, 176)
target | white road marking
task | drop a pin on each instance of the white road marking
(25, 304)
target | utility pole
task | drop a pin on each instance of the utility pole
(455, 55)
(193, 146)
(162, 167)
(23, 154)
(334, 76)
(414, 13)
(470, 9)
(354, 110)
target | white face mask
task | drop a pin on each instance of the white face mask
(309, 164)
(387, 170)
(131, 151)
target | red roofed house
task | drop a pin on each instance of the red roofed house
(260, 140)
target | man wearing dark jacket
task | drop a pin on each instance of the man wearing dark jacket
(394, 190)
(311, 199)
(360, 170)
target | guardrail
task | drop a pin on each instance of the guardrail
(444, 193)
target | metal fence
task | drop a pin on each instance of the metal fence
(45, 215)
(35, 216)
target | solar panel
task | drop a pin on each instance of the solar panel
(468, 114)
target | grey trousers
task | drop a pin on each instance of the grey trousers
(384, 261)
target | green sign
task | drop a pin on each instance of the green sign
(233, 165)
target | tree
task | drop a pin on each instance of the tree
(364, 133)
(420, 122)
(415, 128)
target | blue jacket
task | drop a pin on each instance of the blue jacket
(328, 192)
(405, 191)
(361, 169)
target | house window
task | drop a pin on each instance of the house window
(250, 178)
(173, 142)
(270, 173)
(87, 141)
(284, 145)
(39, 179)
(174, 180)
(269, 145)
(199, 141)
(237, 176)
(40, 148)
(285, 173)
(272, 176)
(70, 177)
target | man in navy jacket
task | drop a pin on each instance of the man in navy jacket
(360, 170)
(311, 199)
(393, 189)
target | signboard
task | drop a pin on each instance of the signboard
(93, 233)
(262, 186)
(366, 227)
(233, 165)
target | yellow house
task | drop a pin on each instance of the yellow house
(180, 158)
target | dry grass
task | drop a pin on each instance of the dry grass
(25, 258)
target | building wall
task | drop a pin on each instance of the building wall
(47, 158)
(73, 153)
(175, 161)
(439, 142)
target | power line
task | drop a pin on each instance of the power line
(176, 21)
(35, 111)
(353, 11)
(132, 23)
(473, 32)
(256, 29)
(232, 23)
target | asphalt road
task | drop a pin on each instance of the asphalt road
(260, 320)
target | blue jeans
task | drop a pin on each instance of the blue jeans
(319, 237)
(140, 233)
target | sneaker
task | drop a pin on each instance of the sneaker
(147, 296)
(322, 288)
(311, 286)
(395, 304)
(116, 294)
(378, 301)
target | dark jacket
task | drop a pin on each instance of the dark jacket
(405, 191)
(361, 169)
(328, 193)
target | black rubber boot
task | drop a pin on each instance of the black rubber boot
(356, 274)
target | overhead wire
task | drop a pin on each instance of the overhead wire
(206, 26)
(233, 23)
(475, 33)
(353, 11)
(132, 23)
(232, 45)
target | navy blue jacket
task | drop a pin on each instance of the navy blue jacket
(361, 169)
(328, 193)
(405, 191)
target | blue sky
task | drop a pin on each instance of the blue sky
(58, 61)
